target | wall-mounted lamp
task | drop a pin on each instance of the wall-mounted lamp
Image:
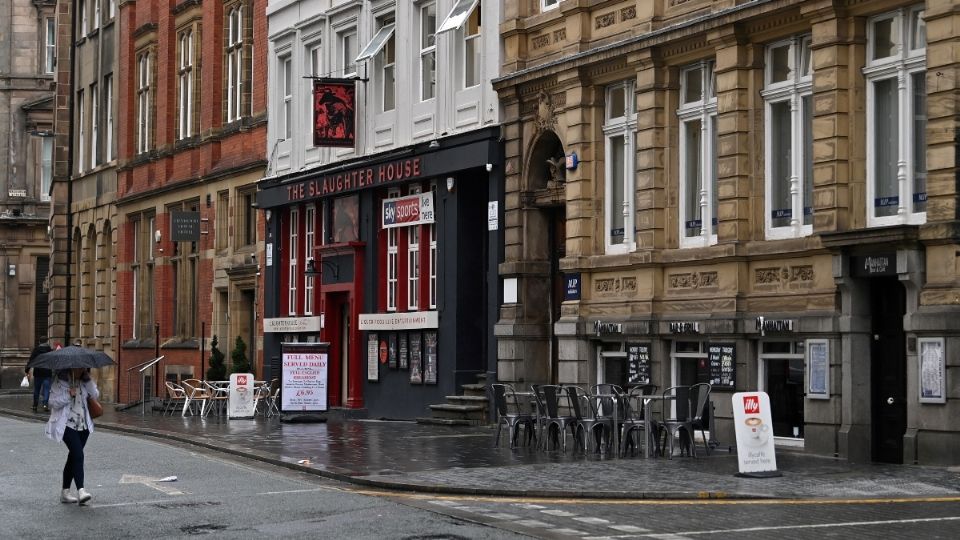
(253, 204)
(451, 183)
(434, 144)
(489, 167)
(268, 214)
(11, 270)
(311, 269)
(157, 236)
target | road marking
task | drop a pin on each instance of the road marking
(150, 482)
(815, 526)
(293, 491)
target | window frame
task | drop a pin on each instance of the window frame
(901, 67)
(234, 61)
(144, 90)
(50, 45)
(703, 110)
(94, 123)
(428, 50)
(185, 83)
(793, 91)
(309, 238)
(286, 98)
(81, 131)
(548, 5)
(46, 167)
(393, 260)
(293, 246)
(475, 43)
(347, 52)
(615, 127)
(108, 135)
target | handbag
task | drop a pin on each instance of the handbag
(94, 407)
(25, 383)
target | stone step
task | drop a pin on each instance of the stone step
(482, 377)
(465, 412)
(450, 422)
(478, 389)
(468, 400)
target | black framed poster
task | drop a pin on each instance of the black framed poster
(430, 357)
(404, 351)
(392, 348)
(373, 369)
(416, 375)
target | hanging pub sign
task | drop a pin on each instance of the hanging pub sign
(333, 112)
(410, 210)
(184, 226)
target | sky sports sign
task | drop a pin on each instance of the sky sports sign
(410, 210)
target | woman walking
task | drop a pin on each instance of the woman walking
(70, 422)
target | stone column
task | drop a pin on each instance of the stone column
(652, 152)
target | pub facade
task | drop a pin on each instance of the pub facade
(757, 195)
(383, 198)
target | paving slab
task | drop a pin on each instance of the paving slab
(462, 459)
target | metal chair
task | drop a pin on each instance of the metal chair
(634, 420)
(700, 416)
(676, 425)
(175, 395)
(588, 419)
(195, 393)
(511, 414)
(273, 398)
(548, 401)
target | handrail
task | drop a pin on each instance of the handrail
(152, 362)
(142, 364)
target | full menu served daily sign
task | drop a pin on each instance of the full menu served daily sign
(304, 382)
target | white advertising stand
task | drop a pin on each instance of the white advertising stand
(303, 382)
(754, 429)
(241, 403)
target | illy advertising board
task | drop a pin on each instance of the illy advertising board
(753, 423)
(241, 402)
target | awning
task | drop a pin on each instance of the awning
(376, 44)
(458, 15)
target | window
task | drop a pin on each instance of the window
(781, 371)
(286, 71)
(95, 23)
(113, 9)
(348, 53)
(466, 15)
(392, 259)
(546, 5)
(383, 42)
(185, 292)
(433, 256)
(142, 270)
(108, 100)
(620, 123)
(223, 219)
(82, 8)
(94, 124)
(143, 102)
(309, 225)
(50, 57)
(185, 79)
(413, 261)
(292, 269)
(234, 62)
(698, 178)
(46, 167)
(896, 118)
(789, 139)
(428, 51)
(248, 216)
(315, 54)
(81, 131)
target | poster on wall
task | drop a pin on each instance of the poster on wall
(416, 376)
(392, 348)
(723, 365)
(303, 377)
(333, 112)
(346, 219)
(373, 370)
(430, 357)
(404, 351)
(932, 365)
(818, 369)
(638, 363)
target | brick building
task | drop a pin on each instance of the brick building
(191, 145)
(760, 195)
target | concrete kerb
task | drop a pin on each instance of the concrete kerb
(400, 486)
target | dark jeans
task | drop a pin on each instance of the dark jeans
(73, 469)
(41, 387)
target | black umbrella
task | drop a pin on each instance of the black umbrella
(70, 357)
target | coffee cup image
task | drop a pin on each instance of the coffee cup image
(758, 429)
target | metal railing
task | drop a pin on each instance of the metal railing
(141, 369)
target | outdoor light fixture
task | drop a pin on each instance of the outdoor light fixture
(11, 270)
(451, 183)
(434, 144)
(311, 269)
(489, 167)
(157, 236)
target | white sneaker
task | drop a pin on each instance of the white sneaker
(66, 497)
(84, 495)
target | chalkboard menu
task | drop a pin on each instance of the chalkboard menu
(638, 363)
(723, 364)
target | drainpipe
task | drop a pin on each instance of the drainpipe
(70, 105)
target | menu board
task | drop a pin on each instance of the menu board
(638, 363)
(723, 364)
(392, 347)
(416, 375)
(373, 369)
(430, 358)
(404, 356)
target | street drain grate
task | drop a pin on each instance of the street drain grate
(202, 529)
(178, 505)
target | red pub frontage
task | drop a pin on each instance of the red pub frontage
(393, 260)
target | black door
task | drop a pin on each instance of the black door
(888, 365)
(558, 250)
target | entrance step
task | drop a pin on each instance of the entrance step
(469, 409)
(475, 389)
(446, 422)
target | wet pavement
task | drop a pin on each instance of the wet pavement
(441, 459)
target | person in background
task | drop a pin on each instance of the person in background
(70, 423)
(41, 376)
